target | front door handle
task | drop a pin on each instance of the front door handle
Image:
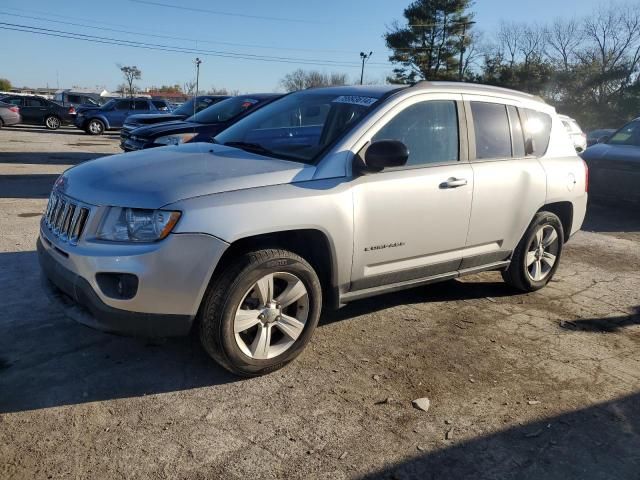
(454, 183)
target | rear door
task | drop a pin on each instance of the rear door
(411, 222)
(34, 110)
(509, 186)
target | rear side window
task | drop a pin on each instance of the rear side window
(429, 130)
(74, 99)
(15, 101)
(517, 135)
(491, 126)
(537, 128)
(35, 102)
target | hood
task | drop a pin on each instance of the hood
(167, 128)
(150, 118)
(160, 176)
(602, 151)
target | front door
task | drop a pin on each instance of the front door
(119, 113)
(411, 222)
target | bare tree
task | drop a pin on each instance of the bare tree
(130, 73)
(563, 38)
(531, 43)
(508, 37)
(294, 81)
(189, 87)
(301, 79)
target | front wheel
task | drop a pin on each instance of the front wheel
(537, 256)
(260, 312)
(52, 122)
(95, 127)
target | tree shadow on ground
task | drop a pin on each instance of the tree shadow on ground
(595, 443)
(604, 325)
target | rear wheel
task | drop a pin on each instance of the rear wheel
(537, 256)
(1, 123)
(95, 127)
(260, 312)
(52, 122)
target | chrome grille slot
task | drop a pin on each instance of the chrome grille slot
(66, 218)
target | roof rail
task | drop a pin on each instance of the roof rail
(476, 87)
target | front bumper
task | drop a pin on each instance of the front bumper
(172, 278)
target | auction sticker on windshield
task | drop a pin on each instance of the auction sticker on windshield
(356, 100)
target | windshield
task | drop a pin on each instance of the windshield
(187, 107)
(223, 111)
(627, 135)
(299, 126)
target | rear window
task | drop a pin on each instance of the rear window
(224, 111)
(491, 125)
(537, 128)
(627, 135)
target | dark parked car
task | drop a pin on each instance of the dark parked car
(187, 109)
(201, 127)
(111, 115)
(9, 114)
(40, 111)
(600, 135)
(75, 99)
(614, 165)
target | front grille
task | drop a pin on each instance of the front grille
(66, 218)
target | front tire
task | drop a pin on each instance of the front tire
(52, 122)
(95, 127)
(260, 312)
(537, 256)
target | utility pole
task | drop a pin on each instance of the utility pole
(195, 95)
(462, 37)
(364, 58)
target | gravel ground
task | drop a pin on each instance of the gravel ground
(539, 386)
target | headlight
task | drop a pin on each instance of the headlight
(137, 225)
(175, 139)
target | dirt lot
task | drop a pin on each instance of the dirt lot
(540, 386)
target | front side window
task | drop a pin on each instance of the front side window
(627, 135)
(491, 125)
(123, 105)
(428, 129)
(141, 105)
(299, 126)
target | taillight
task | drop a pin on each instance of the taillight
(586, 177)
(14, 109)
(72, 110)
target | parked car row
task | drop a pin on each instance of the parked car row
(35, 110)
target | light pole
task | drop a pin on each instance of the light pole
(464, 32)
(198, 62)
(364, 58)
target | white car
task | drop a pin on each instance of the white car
(578, 137)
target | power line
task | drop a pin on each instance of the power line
(168, 48)
(168, 37)
(229, 14)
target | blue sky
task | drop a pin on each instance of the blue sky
(319, 32)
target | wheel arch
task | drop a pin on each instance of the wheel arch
(104, 121)
(311, 244)
(564, 211)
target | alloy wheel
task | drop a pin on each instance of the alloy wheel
(542, 253)
(53, 123)
(95, 127)
(271, 315)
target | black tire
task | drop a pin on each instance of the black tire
(52, 122)
(519, 275)
(95, 127)
(1, 123)
(227, 291)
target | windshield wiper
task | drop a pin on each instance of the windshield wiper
(250, 147)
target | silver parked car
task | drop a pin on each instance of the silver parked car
(324, 197)
(9, 114)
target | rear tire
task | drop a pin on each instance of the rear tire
(52, 122)
(95, 127)
(1, 123)
(537, 256)
(260, 312)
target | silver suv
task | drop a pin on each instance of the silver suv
(321, 198)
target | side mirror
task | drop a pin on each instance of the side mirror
(382, 154)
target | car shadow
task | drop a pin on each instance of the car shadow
(607, 218)
(48, 158)
(64, 130)
(47, 359)
(598, 442)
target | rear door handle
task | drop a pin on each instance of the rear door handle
(454, 183)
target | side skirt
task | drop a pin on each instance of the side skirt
(395, 287)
